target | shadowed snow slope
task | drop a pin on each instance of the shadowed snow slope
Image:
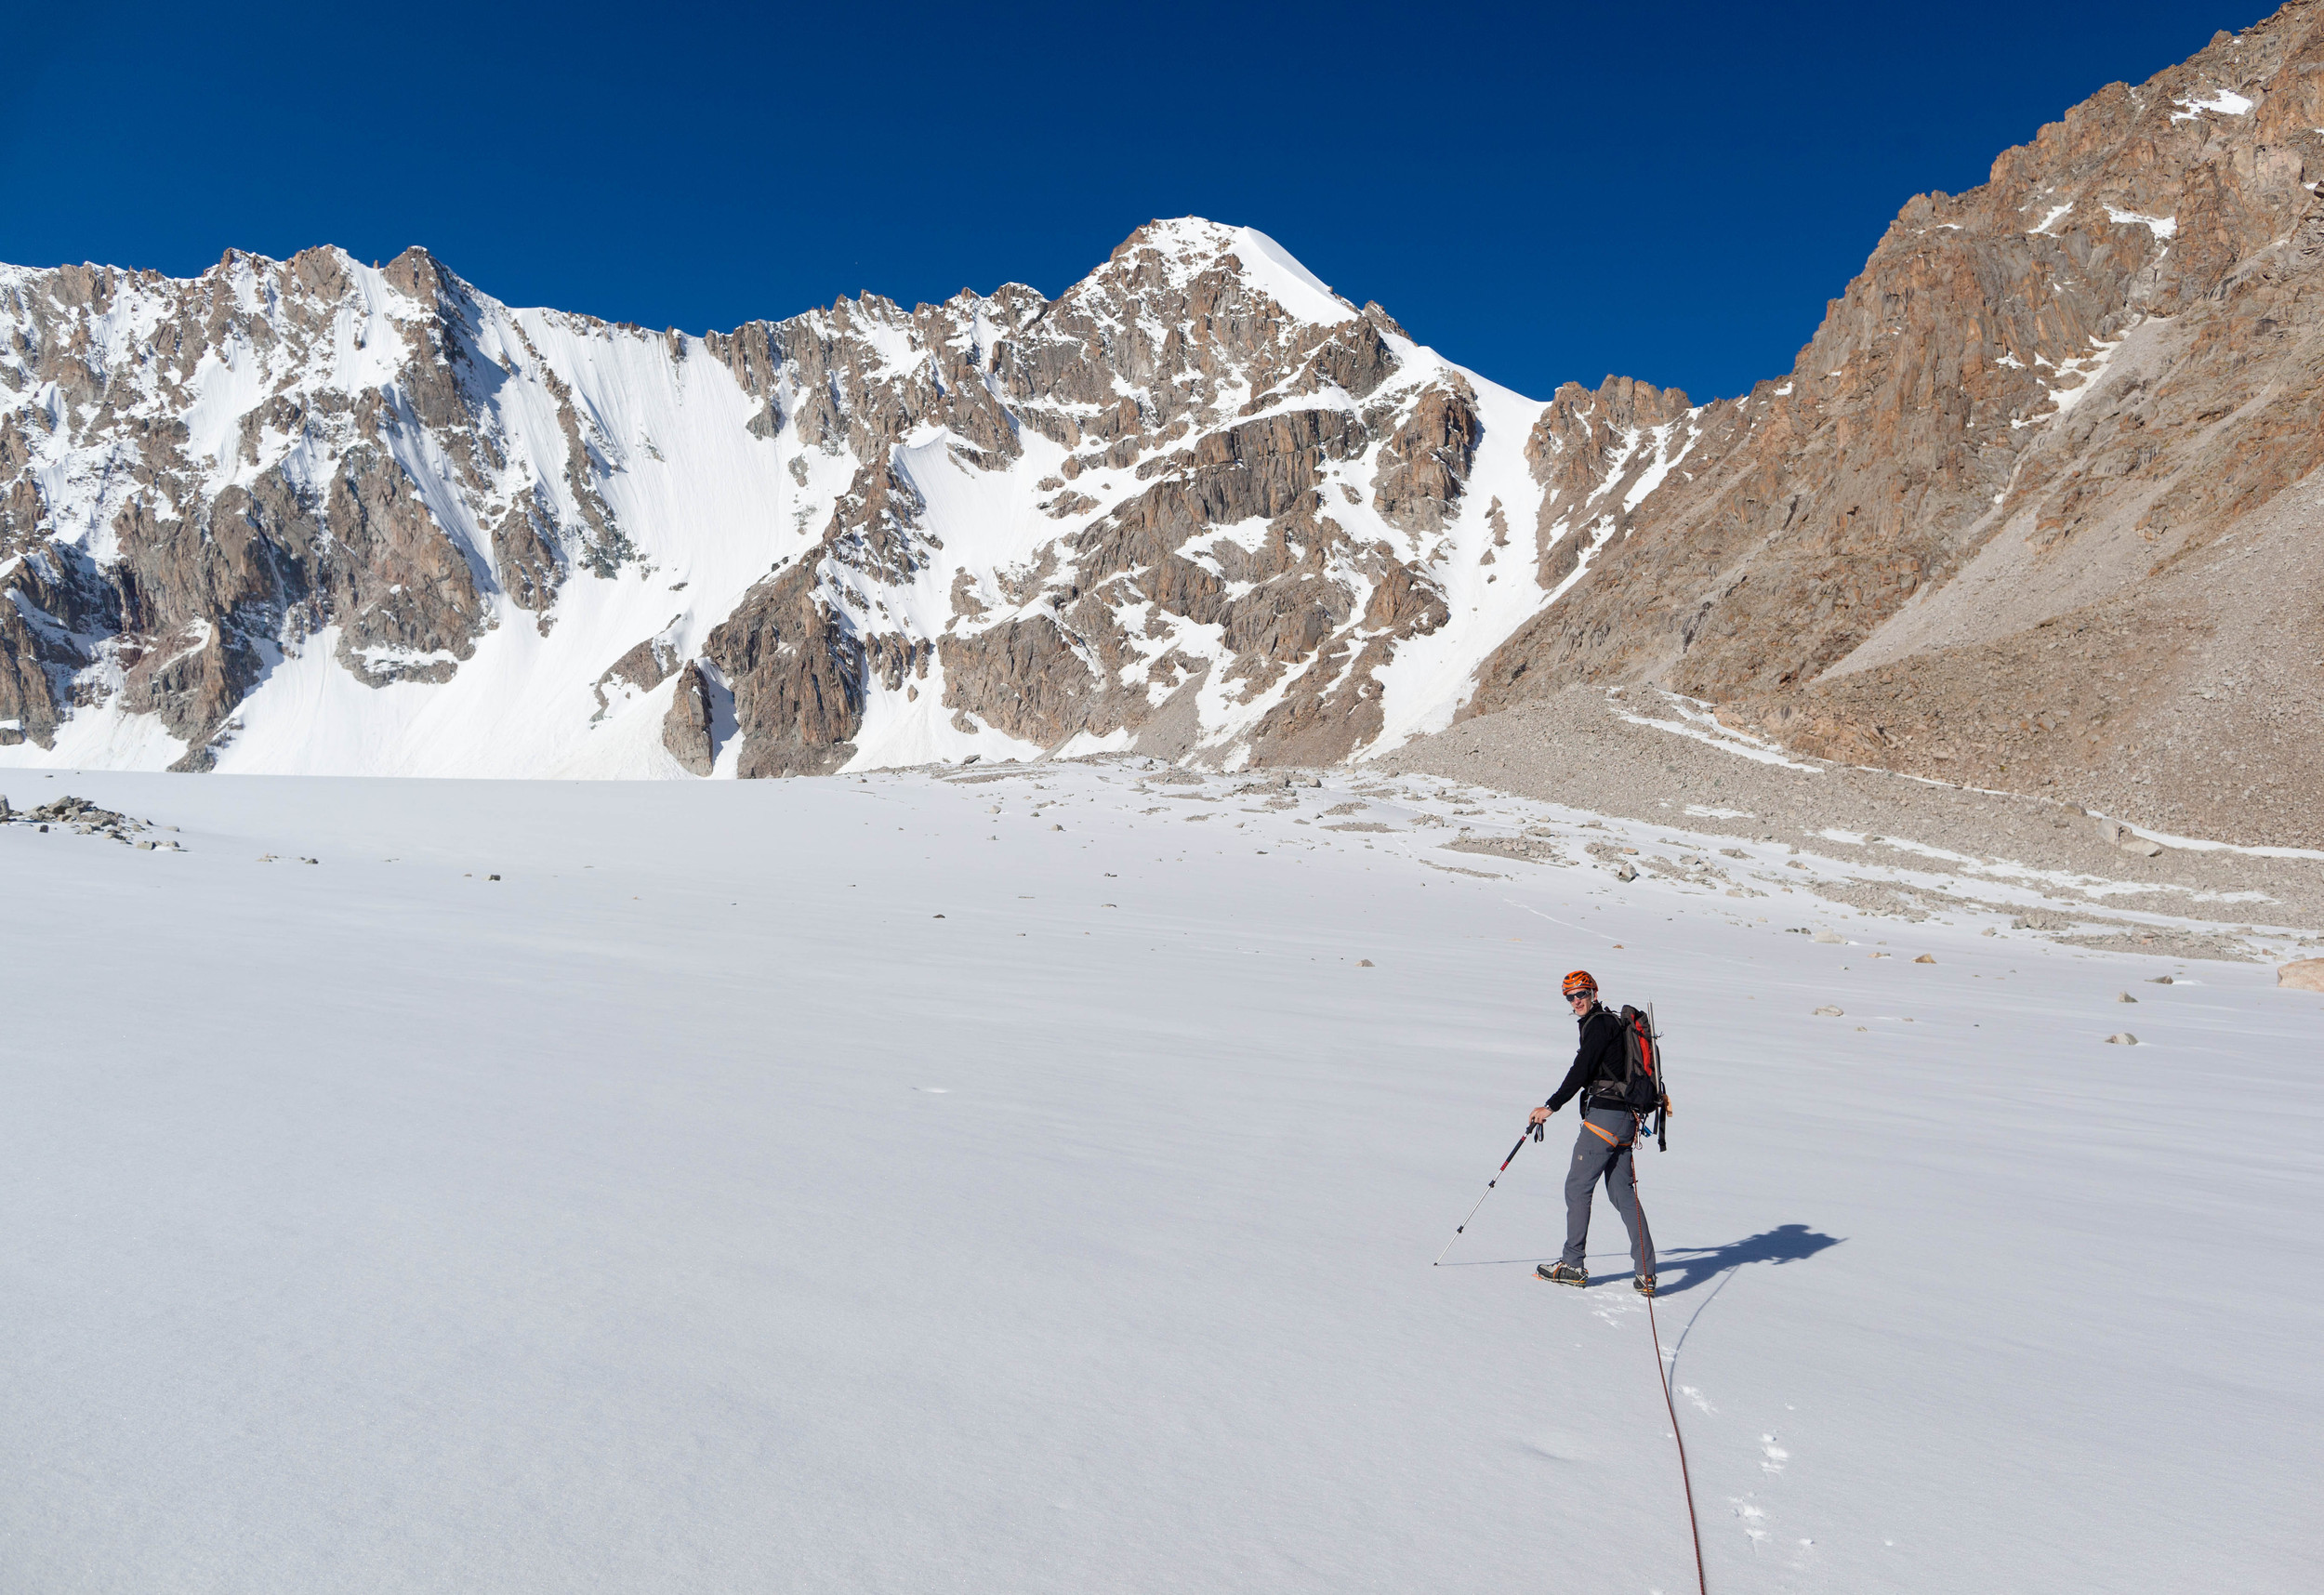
(1017, 1182)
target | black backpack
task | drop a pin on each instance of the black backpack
(1636, 1087)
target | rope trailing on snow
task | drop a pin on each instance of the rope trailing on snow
(1662, 1377)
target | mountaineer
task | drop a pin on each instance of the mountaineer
(1619, 1090)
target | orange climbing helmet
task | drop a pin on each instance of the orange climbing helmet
(1577, 983)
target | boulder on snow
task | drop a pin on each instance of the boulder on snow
(1626, 871)
(1831, 938)
(2303, 975)
(2123, 1038)
(1925, 958)
(2124, 996)
(1830, 1012)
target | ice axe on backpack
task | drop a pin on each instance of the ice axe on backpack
(1662, 1084)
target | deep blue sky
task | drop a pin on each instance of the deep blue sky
(1543, 192)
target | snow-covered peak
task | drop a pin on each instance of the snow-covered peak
(1190, 245)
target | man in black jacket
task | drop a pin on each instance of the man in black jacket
(1609, 1133)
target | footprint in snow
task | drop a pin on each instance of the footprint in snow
(1774, 1455)
(1610, 1314)
(1702, 1404)
(934, 1090)
(1557, 1447)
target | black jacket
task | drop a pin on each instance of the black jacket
(1598, 1058)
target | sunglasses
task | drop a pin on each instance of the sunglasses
(1583, 996)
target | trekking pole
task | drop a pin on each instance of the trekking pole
(1532, 1132)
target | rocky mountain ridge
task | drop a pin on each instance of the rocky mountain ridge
(2033, 509)
(1196, 504)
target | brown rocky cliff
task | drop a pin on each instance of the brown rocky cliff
(2038, 401)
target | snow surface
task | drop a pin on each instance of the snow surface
(694, 1208)
(1698, 721)
(1192, 243)
(2164, 227)
(1277, 274)
(2225, 101)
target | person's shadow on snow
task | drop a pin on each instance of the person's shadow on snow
(1684, 1268)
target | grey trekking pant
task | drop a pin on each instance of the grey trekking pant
(1602, 1149)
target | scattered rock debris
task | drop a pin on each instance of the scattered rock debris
(86, 819)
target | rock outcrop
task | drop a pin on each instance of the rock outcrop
(689, 728)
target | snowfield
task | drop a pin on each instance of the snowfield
(1018, 1181)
